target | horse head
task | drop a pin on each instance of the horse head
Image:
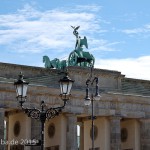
(55, 63)
(45, 58)
(47, 62)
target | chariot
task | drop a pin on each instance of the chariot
(85, 60)
(78, 57)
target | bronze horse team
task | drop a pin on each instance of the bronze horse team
(77, 57)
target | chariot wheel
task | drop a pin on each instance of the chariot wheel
(72, 60)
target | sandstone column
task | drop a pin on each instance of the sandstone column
(81, 135)
(145, 134)
(2, 118)
(115, 140)
(35, 132)
(71, 132)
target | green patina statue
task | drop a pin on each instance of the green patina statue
(55, 63)
(77, 57)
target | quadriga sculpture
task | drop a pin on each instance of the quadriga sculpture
(55, 63)
(78, 57)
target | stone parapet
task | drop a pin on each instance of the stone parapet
(135, 86)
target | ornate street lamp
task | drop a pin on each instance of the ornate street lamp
(65, 87)
(89, 99)
(21, 89)
(42, 114)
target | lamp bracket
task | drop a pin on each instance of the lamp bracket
(92, 118)
(42, 114)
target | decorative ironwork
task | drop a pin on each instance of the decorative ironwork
(52, 112)
(43, 114)
(33, 113)
(89, 100)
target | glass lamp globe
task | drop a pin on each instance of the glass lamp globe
(65, 87)
(87, 101)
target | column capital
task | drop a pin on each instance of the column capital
(71, 114)
(80, 124)
(144, 120)
(115, 117)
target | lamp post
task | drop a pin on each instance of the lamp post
(89, 99)
(42, 114)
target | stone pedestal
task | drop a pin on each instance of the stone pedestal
(71, 132)
(145, 134)
(115, 132)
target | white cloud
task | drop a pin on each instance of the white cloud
(93, 8)
(103, 45)
(40, 30)
(131, 67)
(138, 31)
(31, 30)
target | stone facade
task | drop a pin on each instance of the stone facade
(123, 113)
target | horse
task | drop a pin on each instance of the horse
(47, 62)
(59, 64)
(55, 63)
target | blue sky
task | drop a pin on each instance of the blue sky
(118, 32)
